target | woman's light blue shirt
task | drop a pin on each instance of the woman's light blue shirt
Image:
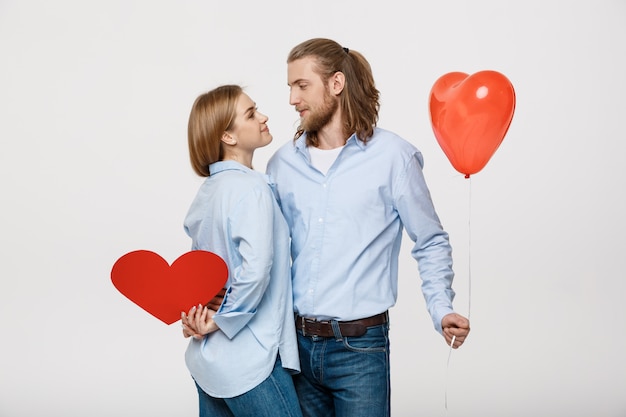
(346, 228)
(235, 216)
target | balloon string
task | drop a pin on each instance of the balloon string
(469, 251)
(469, 274)
(447, 370)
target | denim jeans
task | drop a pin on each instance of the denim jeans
(274, 397)
(345, 376)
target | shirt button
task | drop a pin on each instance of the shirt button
(320, 220)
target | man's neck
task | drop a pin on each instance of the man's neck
(332, 135)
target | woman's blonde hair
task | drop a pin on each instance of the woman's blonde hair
(211, 115)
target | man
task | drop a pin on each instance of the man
(348, 189)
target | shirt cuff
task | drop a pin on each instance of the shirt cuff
(231, 323)
(438, 314)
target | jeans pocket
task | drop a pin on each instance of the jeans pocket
(376, 339)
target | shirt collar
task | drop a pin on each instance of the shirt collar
(220, 166)
(300, 144)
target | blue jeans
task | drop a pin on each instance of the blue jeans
(274, 397)
(345, 376)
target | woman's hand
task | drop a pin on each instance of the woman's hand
(198, 322)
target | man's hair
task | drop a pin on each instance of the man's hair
(359, 99)
(211, 115)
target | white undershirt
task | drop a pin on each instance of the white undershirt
(323, 159)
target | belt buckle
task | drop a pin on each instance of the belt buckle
(303, 322)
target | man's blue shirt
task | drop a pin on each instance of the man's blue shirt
(346, 228)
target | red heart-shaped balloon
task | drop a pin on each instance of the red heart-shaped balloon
(164, 291)
(470, 114)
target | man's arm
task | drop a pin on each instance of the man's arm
(216, 302)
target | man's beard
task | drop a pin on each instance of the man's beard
(320, 117)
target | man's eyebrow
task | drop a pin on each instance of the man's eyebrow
(299, 80)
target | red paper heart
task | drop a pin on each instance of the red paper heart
(470, 114)
(164, 291)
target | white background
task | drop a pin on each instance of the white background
(94, 100)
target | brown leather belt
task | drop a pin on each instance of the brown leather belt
(353, 328)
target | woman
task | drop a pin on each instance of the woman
(242, 356)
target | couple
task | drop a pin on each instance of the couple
(332, 220)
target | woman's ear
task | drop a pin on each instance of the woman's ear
(228, 139)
